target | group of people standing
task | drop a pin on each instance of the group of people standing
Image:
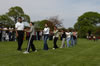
(91, 37)
(6, 35)
(70, 37)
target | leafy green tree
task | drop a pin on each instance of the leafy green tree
(26, 18)
(16, 12)
(41, 24)
(70, 29)
(87, 23)
(97, 31)
(6, 21)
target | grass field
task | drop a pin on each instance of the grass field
(85, 53)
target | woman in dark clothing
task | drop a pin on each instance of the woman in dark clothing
(31, 39)
(63, 39)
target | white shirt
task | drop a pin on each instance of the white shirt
(19, 26)
(56, 33)
(68, 34)
(46, 30)
(4, 28)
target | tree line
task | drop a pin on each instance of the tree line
(88, 23)
(10, 18)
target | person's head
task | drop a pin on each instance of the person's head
(74, 30)
(55, 28)
(62, 30)
(67, 30)
(46, 25)
(31, 24)
(19, 19)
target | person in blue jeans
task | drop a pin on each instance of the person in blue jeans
(72, 40)
(45, 42)
(68, 38)
(46, 35)
(73, 37)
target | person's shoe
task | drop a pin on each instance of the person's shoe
(53, 48)
(68, 46)
(19, 49)
(35, 51)
(60, 47)
(26, 52)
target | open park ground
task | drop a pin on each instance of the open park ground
(85, 53)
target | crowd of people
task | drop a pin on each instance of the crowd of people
(7, 34)
(70, 37)
(91, 37)
(18, 34)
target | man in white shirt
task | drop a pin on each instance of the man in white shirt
(19, 33)
(46, 35)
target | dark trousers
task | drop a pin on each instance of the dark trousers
(20, 39)
(54, 42)
(10, 36)
(30, 44)
(0, 36)
(45, 42)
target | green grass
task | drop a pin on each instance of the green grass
(85, 53)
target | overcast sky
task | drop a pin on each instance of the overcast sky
(68, 10)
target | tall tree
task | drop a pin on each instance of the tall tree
(87, 22)
(6, 21)
(15, 12)
(26, 18)
(56, 21)
(41, 24)
(97, 31)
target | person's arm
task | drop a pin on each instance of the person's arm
(16, 32)
(16, 26)
(55, 32)
(45, 30)
(30, 30)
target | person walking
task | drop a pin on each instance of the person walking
(31, 39)
(63, 39)
(68, 38)
(46, 35)
(4, 34)
(72, 38)
(75, 37)
(0, 33)
(19, 33)
(56, 35)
